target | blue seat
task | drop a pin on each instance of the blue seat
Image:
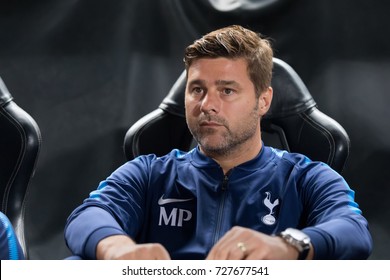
(10, 248)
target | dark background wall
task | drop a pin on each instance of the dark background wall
(87, 70)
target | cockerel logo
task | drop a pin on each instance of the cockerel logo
(269, 219)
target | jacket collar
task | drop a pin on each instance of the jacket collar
(200, 160)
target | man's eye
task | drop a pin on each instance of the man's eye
(228, 91)
(197, 90)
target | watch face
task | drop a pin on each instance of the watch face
(297, 234)
(297, 237)
(299, 240)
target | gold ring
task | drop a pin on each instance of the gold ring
(242, 247)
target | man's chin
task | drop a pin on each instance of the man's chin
(213, 148)
(212, 142)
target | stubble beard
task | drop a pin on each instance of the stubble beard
(229, 141)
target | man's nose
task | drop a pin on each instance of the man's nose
(210, 103)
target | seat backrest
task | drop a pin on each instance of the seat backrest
(20, 141)
(293, 123)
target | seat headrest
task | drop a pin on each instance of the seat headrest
(291, 96)
(173, 103)
(5, 96)
(290, 93)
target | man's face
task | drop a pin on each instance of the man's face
(222, 110)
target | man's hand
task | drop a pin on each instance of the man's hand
(246, 244)
(121, 247)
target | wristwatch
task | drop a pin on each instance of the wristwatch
(298, 239)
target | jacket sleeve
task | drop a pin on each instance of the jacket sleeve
(335, 223)
(83, 233)
(116, 207)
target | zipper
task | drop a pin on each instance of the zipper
(221, 207)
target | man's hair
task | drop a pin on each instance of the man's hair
(235, 42)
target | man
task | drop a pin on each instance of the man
(231, 197)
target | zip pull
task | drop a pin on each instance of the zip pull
(225, 182)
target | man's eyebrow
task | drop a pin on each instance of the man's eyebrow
(196, 82)
(227, 83)
(218, 82)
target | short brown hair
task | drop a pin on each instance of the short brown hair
(236, 42)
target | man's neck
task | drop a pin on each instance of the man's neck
(236, 157)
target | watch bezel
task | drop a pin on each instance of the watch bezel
(298, 239)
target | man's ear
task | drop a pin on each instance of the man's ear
(265, 100)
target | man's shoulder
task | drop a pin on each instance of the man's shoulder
(285, 155)
(173, 155)
(292, 158)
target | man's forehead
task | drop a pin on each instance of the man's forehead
(221, 71)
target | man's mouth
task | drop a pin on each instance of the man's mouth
(210, 123)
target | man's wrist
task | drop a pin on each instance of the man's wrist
(106, 245)
(297, 239)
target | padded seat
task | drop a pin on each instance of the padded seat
(20, 141)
